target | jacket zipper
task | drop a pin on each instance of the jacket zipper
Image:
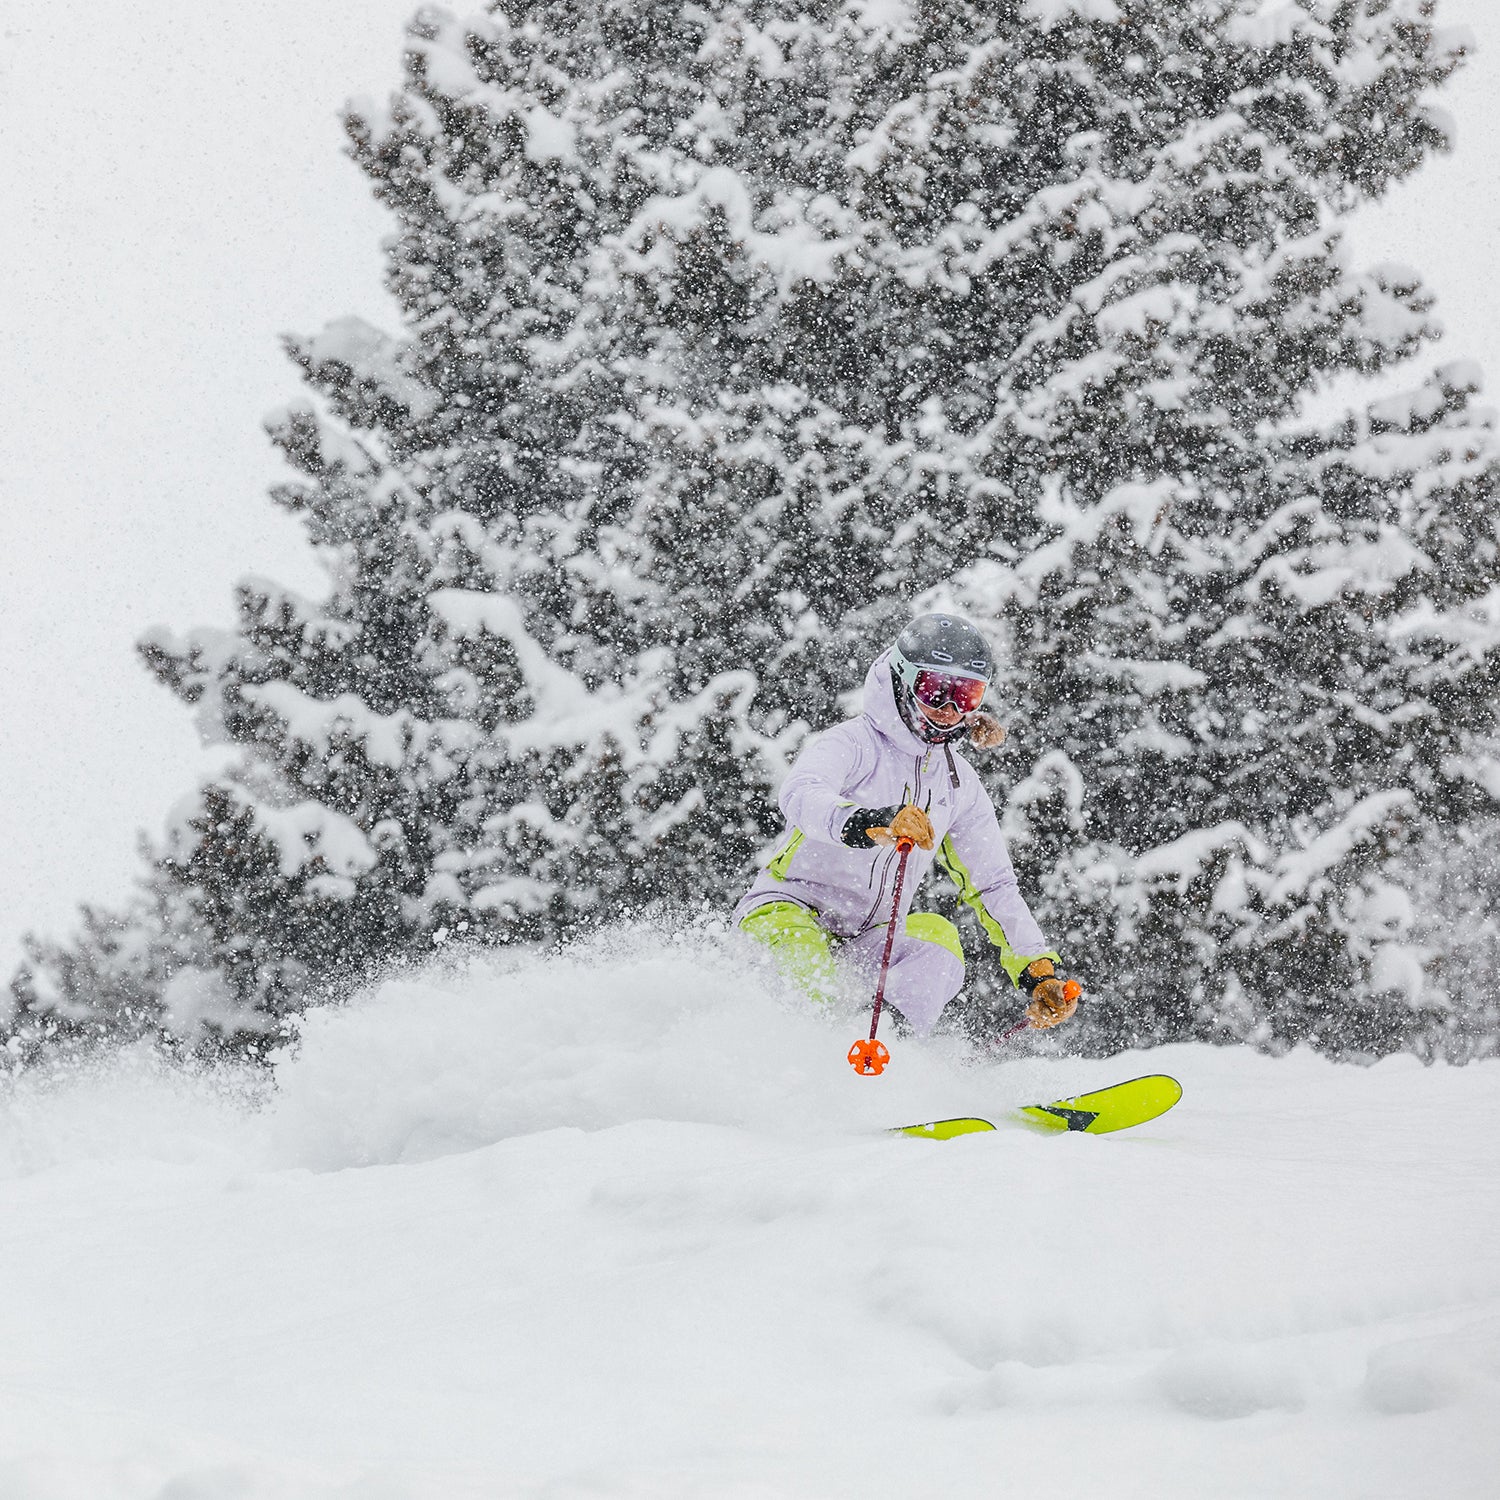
(884, 865)
(885, 870)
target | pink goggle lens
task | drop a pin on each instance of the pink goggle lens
(939, 689)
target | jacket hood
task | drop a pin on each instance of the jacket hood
(880, 708)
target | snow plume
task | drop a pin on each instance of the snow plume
(657, 1024)
(636, 1180)
(124, 1109)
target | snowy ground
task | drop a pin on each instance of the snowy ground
(615, 1225)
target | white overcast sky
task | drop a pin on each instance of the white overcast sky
(173, 196)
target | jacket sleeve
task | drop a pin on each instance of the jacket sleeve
(812, 796)
(975, 858)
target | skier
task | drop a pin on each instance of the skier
(823, 901)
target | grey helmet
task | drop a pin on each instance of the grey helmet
(939, 659)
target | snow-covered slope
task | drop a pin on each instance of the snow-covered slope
(618, 1223)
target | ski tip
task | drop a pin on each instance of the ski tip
(1161, 1087)
(1157, 1085)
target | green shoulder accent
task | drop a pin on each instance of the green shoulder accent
(957, 871)
(782, 860)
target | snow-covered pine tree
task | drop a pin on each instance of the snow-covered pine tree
(1262, 635)
(136, 971)
(1037, 296)
(1449, 883)
(734, 330)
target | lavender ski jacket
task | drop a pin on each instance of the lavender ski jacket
(876, 761)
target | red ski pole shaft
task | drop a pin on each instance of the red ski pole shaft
(905, 848)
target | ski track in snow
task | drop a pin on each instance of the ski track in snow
(618, 1222)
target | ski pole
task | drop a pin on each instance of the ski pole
(870, 1056)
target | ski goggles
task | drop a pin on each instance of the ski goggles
(947, 689)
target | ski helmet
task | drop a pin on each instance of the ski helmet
(940, 661)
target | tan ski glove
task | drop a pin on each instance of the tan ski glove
(1053, 1000)
(910, 823)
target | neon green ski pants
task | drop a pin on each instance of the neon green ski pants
(927, 958)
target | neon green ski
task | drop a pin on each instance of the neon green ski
(1098, 1113)
(942, 1130)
